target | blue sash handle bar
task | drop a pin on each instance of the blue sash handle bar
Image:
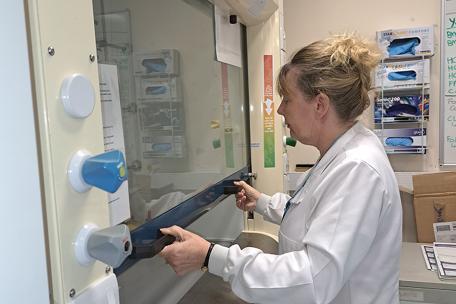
(147, 239)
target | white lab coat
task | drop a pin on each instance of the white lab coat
(340, 240)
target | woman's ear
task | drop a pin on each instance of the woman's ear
(322, 105)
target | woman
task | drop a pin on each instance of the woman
(340, 234)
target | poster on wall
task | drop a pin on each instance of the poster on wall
(268, 114)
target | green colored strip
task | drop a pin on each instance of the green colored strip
(269, 150)
(229, 151)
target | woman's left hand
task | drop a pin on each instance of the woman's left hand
(187, 253)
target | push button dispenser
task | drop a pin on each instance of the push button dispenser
(77, 96)
(106, 171)
(111, 245)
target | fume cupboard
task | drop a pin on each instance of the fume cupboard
(140, 125)
(190, 125)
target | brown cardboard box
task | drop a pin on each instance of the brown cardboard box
(434, 201)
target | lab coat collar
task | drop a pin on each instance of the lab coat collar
(336, 148)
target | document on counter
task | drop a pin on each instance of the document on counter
(445, 232)
(119, 204)
(429, 257)
(445, 255)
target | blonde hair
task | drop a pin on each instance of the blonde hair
(339, 67)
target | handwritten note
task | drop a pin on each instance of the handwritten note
(450, 123)
(448, 85)
(450, 54)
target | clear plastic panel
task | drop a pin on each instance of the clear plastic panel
(181, 132)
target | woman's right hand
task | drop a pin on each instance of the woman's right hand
(247, 197)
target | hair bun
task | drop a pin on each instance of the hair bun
(349, 50)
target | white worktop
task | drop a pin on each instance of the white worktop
(414, 273)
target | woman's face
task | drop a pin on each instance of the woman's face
(298, 111)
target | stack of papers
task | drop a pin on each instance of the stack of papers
(441, 256)
(445, 232)
(429, 257)
(445, 256)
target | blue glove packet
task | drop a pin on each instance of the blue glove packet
(404, 46)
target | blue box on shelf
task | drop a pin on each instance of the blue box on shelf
(405, 140)
(401, 108)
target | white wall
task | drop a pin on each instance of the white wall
(24, 277)
(308, 20)
(263, 39)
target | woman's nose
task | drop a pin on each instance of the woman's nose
(280, 109)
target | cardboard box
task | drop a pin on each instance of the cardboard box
(434, 201)
(386, 40)
(403, 74)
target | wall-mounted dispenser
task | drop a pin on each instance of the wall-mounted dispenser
(106, 171)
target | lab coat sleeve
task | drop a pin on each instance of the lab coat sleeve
(343, 228)
(257, 277)
(272, 207)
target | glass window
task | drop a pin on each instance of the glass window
(182, 111)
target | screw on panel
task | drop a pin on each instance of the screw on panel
(253, 175)
(51, 51)
(108, 269)
(72, 292)
(92, 57)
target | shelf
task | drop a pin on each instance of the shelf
(401, 113)
(405, 58)
(398, 150)
(403, 140)
(148, 101)
(401, 120)
(404, 88)
(163, 128)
